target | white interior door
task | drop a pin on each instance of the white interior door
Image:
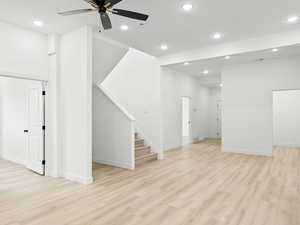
(35, 134)
(186, 120)
(219, 119)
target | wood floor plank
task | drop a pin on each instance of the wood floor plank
(194, 185)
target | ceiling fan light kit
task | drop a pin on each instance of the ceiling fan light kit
(103, 7)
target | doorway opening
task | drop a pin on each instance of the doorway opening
(186, 120)
(286, 119)
(22, 123)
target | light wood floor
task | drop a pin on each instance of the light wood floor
(197, 185)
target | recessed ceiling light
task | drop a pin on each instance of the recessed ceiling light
(164, 47)
(217, 36)
(124, 27)
(187, 7)
(221, 85)
(227, 57)
(205, 72)
(293, 19)
(275, 50)
(186, 63)
(38, 23)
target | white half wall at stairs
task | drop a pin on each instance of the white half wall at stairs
(113, 132)
(113, 126)
(135, 84)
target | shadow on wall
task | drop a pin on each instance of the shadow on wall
(104, 63)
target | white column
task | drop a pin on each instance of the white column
(53, 147)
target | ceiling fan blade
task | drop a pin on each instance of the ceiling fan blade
(130, 14)
(110, 3)
(78, 11)
(92, 2)
(105, 20)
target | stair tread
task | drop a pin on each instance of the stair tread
(149, 155)
(142, 148)
(139, 139)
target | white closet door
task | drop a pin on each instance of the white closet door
(35, 140)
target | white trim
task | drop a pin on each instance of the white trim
(247, 151)
(132, 145)
(160, 156)
(79, 179)
(16, 161)
(116, 164)
(119, 106)
(290, 145)
(10, 74)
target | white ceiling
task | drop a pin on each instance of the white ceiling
(215, 65)
(237, 19)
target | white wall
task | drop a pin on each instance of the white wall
(14, 118)
(23, 52)
(113, 131)
(76, 97)
(174, 85)
(247, 102)
(214, 98)
(135, 84)
(286, 118)
(106, 55)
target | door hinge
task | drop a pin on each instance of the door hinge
(43, 162)
(44, 127)
(44, 92)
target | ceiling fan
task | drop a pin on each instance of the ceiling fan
(104, 6)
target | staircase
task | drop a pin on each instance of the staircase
(143, 153)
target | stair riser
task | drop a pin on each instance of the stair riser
(149, 159)
(138, 142)
(139, 145)
(142, 152)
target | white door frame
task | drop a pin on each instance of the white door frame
(47, 140)
(36, 127)
(219, 119)
(186, 139)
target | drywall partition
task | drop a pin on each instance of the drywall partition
(23, 52)
(76, 97)
(247, 103)
(135, 84)
(113, 126)
(175, 85)
(113, 131)
(286, 118)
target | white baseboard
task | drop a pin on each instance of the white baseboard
(11, 159)
(51, 173)
(291, 145)
(79, 179)
(173, 148)
(247, 151)
(160, 156)
(116, 164)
